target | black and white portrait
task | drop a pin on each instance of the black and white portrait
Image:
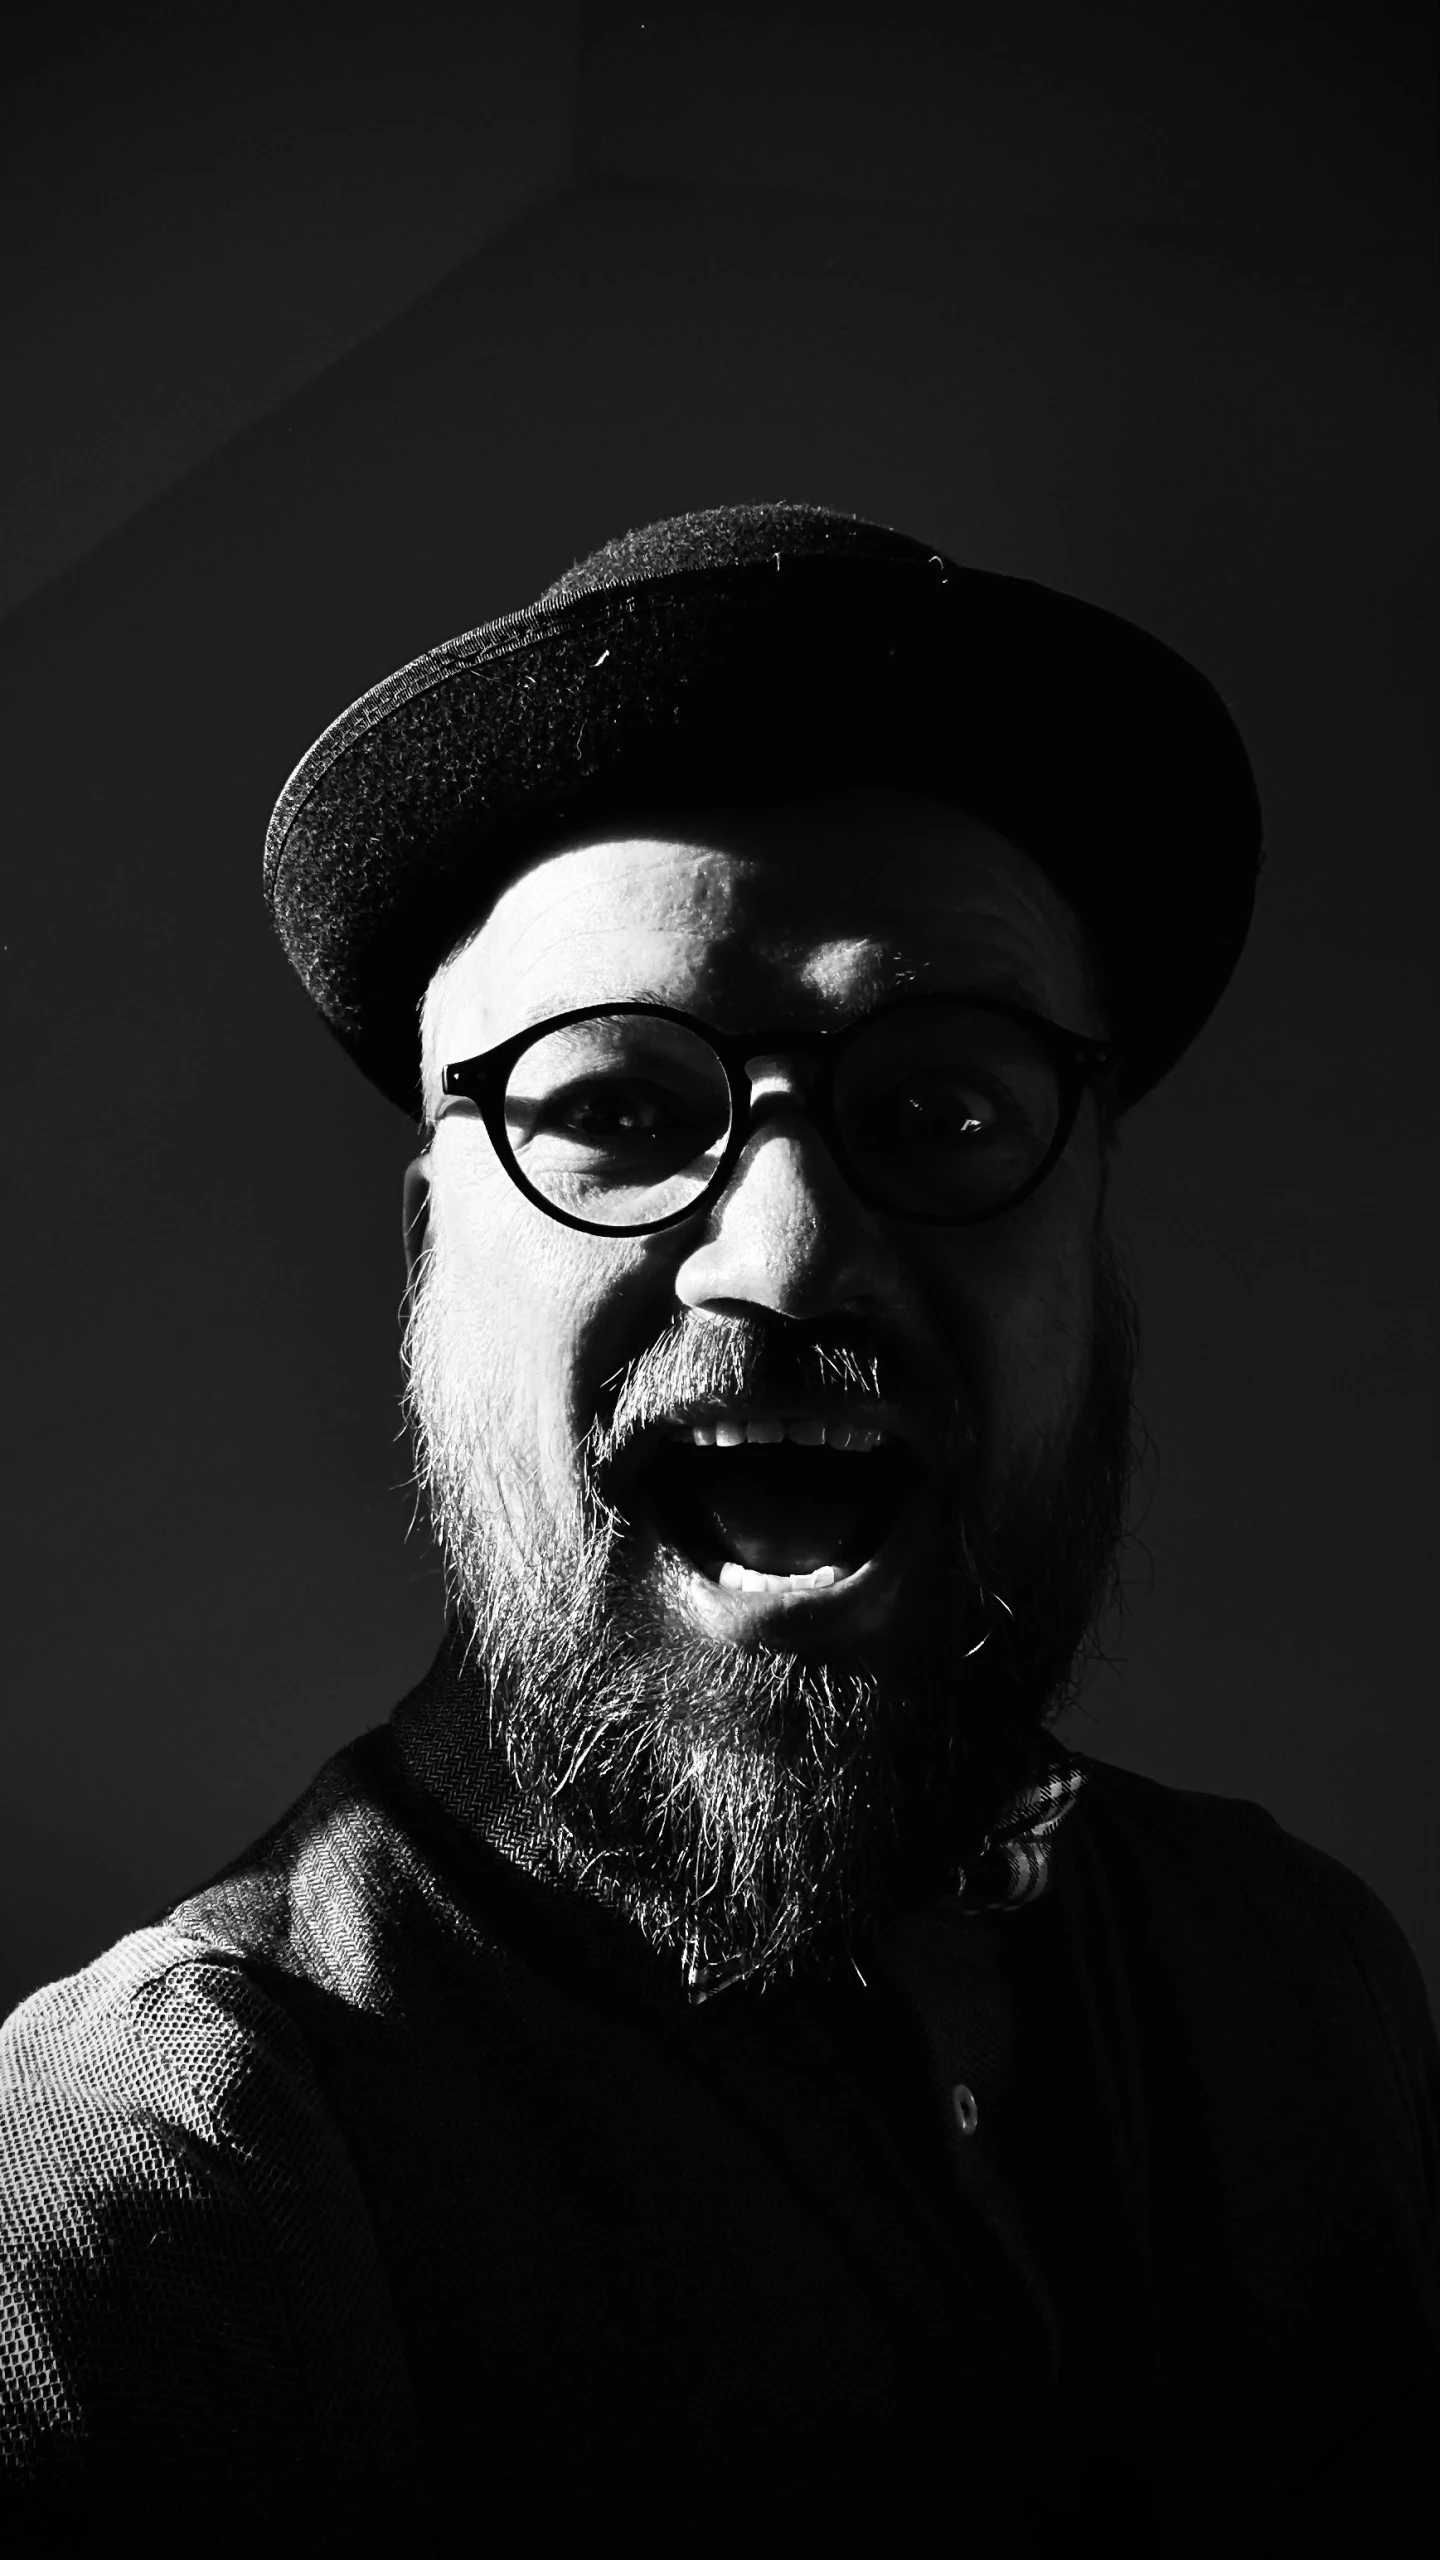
(718, 1826)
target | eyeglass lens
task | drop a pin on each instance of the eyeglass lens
(622, 1119)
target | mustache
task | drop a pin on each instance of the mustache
(704, 1359)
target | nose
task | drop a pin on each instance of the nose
(787, 1233)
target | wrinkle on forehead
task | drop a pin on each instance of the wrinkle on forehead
(837, 902)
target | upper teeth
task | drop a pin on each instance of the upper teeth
(810, 1435)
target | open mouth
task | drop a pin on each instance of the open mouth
(775, 1516)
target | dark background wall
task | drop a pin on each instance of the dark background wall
(343, 332)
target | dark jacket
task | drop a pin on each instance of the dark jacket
(383, 2197)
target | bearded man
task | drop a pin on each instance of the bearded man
(712, 2067)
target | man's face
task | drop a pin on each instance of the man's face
(760, 1773)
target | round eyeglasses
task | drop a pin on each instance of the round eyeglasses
(623, 1119)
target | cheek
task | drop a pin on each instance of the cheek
(542, 1308)
(1041, 1334)
(1015, 1299)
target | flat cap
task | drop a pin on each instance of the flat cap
(753, 652)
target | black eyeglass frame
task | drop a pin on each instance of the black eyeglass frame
(1077, 1060)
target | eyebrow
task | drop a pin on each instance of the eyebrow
(1003, 985)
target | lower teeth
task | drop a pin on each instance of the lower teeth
(743, 1577)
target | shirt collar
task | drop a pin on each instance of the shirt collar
(1011, 1869)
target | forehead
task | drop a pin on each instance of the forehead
(814, 908)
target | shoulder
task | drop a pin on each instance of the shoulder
(1230, 1843)
(176, 2060)
(179, 2034)
(1276, 2019)
(132, 2096)
(164, 2033)
(171, 2171)
(1231, 1890)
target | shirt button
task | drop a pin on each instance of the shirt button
(967, 2114)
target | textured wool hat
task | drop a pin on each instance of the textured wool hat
(753, 652)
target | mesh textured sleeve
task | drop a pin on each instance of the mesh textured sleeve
(194, 2333)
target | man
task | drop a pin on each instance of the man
(711, 2067)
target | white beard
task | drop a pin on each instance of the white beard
(744, 1804)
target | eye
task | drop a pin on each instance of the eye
(606, 1108)
(947, 1109)
(609, 1084)
(936, 1111)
